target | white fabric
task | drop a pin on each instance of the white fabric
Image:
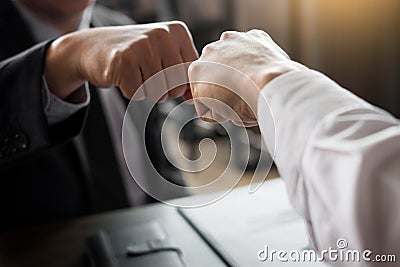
(57, 110)
(340, 159)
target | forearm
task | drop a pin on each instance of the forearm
(333, 149)
(339, 157)
(299, 101)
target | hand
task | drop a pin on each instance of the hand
(124, 56)
(233, 70)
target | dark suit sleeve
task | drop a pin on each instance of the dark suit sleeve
(23, 124)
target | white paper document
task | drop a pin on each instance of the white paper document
(242, 224)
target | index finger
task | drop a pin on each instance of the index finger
(181, 34)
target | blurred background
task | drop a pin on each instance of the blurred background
(355, 42)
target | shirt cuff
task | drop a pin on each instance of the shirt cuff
(290, 107)
(57, 109)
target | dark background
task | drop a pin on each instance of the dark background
(354, 42)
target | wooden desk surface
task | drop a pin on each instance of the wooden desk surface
(64, 244)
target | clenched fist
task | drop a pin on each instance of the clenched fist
(230, 73)
(124, 56)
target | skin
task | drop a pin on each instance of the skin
(122, 56)
(252, 60)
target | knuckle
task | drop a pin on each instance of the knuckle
(121, 57)
(228, 35)
(177, 92)
(179, 28)
(137, 49)
(178, 25)
(115, 62)
(116, 56)
(193, 69)
(208, 48)
(159, 32)
(122, 61)
(259, 33)
(142, 43)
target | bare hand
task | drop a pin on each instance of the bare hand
(233, 70)
(124, 56)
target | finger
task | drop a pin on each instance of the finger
(258, 32)
(187, 97)
(201, 109)
(162, 98)
(244, 124)
(127, 76)
(155, 87)
(181, 34)
(222, 104)
(177, 75)
(150, 62)
(217, 117)
(155, 84)
(167, 50)
(175, 72)
(229, 34)
(130, 84)
(208, 117)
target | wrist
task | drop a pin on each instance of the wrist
(275, 70)
(62, 67)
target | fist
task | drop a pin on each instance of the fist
(227, 78)
(124, 56)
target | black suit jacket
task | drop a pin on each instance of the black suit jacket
(48, 174)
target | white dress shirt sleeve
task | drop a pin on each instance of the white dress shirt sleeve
(57, 110)
(340, 159)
